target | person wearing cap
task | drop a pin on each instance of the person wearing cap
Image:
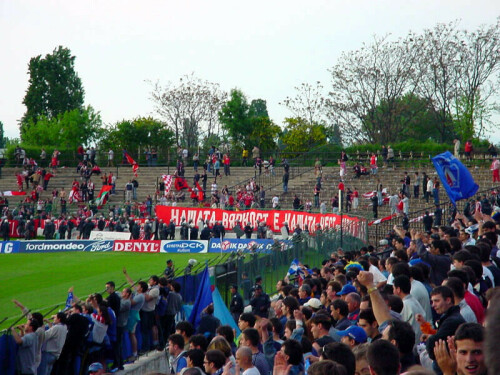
(96, 368)
(260, 302)
(352, 336)
(346, 289)
(314, 304)
(236, 306)
(169, 271)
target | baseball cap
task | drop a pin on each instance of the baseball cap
(314, 303)
(356, 333)
(346, 289)
(96, 366)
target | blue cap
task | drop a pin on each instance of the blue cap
(346, 289)
(356, 333)
(96, 366)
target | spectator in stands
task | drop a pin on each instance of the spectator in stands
(209, 323)
(383, 358)
(250, 338)
(368, 322)
(450, 318)
(286, 177)
(467, 356)
(186, 330)
(177, 359)
(353, 336)
(260, 302)
(27, 341)
(214, 362)
(137, 303)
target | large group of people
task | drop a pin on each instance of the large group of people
(418, 304)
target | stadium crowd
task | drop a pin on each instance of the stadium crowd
(417, 306)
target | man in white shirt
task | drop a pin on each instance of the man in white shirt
(411, 307)
(275, 201)
(378, 278)
(55, 337)
(111, 155)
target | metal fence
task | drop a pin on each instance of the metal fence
(379, 231)
(309, 250)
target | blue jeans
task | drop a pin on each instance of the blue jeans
(45, 367)
(435, 194)
(285, 187)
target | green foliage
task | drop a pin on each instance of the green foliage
(137, 134)
(300, 135)
(2, 139)
(54, 87)
(407, 117)
(33, 151)
(67, 130)
(248, 125)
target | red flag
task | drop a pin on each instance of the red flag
(201, 195)
(180, 183)
(133, 163)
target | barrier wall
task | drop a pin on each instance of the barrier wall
(246, 245)
(136, 246)
(274, 219)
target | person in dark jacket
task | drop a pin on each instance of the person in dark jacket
(436, 257)
(136, 231)
(248, 230)
(208, 323)
(87, 227)
(49, 230)
(236, 306)
(171, 230)
(450, 318)
(4, 230)
(205, 233)
(427, 221)
(260, 302)
(193, 234)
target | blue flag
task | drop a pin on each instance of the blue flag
(203, 299)
(455, 177)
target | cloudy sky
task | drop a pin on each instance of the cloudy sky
(264, 48)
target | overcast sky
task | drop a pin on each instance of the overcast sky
(264, 48)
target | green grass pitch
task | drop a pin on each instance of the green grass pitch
(40, 281)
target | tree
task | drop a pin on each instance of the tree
(2, 139)
(308, 103)
(378, 72)
(248, 125)
(413, 117)
(300, 135)
(190, 108)
(137, 134)
(54, 87)
(69, 129)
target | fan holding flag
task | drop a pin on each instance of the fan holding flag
(132, 162)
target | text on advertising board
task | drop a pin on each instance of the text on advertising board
(137, 246)
(184, 246)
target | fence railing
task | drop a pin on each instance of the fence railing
(448, 211)
(310, 250)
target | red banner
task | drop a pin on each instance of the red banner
(137, 246)
(274, 219)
